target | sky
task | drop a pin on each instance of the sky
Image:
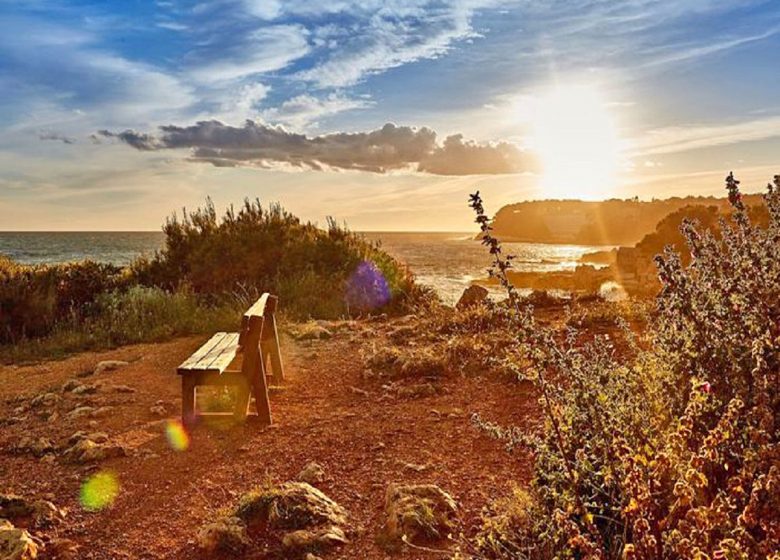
(383, 114)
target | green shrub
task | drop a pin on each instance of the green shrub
(316, 272)
(33, 299)
(669, 449)
(136, 315)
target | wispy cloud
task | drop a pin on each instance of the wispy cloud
(304, 111)
(676, 139)
(395, 34)
(262, 50)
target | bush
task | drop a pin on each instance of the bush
(668, 449)
(35, 298)
(135, 315)
(317, 273)
(209, 268)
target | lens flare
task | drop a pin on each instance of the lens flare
(99, 491)
(178, 438)
(367, 288)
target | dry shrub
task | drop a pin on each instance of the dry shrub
(396, 363)
(669, 450)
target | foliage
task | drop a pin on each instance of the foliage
(209, 267)
(669, 448)
(317, 273)
(131, 316)
(35, 298)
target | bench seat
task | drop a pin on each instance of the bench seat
(215, 355)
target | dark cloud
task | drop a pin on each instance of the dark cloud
(138, 140)
(57, 137)
(388, 148)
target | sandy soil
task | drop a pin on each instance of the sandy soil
(364, 441)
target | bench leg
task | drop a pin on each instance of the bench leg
(260, 392)
(188, 383)
(242, 401)
(271, 347)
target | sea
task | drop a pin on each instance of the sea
(446, 261)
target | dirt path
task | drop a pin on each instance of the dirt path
(364, 441)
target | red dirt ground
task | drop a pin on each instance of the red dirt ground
(362, 441)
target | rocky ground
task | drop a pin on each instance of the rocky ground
(376, 456)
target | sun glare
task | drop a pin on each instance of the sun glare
(576, 139)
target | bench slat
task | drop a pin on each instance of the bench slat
(214, 352)
(264, 306)
(214, 355)
(258, 307)
(202, 351)
(229, 349)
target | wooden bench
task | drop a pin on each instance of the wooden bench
(237, 359)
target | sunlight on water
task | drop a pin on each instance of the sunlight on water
(99, 491)
(177, 435)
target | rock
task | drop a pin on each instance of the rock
(38, 447)
(109, 365)
(42, 513)
(416, 391)
(420, 512)
(359, 391)
(88, 451)
(292, 505)
(122, 389)
(472, 296)
(101, 411)
(16, 544)
(415, 467)
(312, 473)
(46, 514)
(81, 412)
(162, 408)
(48, 459)
(62, 549)
(44, 399)
(97, 437)
(14, 507)
(310, 331)
(225, 535)
(318, 540)
(85, 390)
(70, 385)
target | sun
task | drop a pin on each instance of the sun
(576, 139)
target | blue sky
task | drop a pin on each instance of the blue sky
(690, 90)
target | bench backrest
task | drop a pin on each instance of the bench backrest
(254, 318)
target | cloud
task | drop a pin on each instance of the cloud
(456, 157)
(304, 110)
(387, 36)
(675, 139)
(261, 50)
(386, 149)
(55, 136)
